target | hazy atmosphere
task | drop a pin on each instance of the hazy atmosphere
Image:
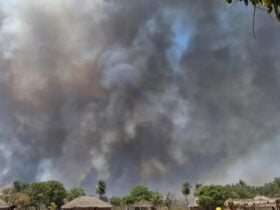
(138, 92)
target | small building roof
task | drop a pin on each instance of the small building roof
(3, 205)
(143, 204)
(86, 202)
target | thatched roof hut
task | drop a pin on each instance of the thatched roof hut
(87, 203)
(3, 205)
(259, 202)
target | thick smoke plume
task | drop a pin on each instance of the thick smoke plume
(149, 91)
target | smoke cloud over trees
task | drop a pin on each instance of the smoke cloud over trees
(149, 91)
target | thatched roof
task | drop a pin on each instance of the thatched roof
(258, 201)
(86, 202)
(3, 205)
(143, 204)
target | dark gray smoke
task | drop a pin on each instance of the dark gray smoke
(149, 91)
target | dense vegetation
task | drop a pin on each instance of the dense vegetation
(215, 195)
(75, 193)
(52, 194)
(141, 192)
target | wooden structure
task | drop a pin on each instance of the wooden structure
(87, 203)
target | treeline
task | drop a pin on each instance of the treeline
(215, 195)
(52, 194)
(207, 196)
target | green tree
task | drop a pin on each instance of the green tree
(128, 200)
(101, 188)
(52, 206)
(186, 189)
(139, 192)
(156, 198)
(270, 189)
(242, 190)
(211, 196)
(197, 186)
(207, 202)
(54, 192)
(37, 194)
(242, 183)
(46, 193)
(116, 201)
(20, 186)
(75, 193)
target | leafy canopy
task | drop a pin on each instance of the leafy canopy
(101, 187)
(46, 193)
(75, 193)
(116, 201)
(141, 192)
(186, 188)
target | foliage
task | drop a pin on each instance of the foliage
(21, 199)
(20, 186)
(7, 194)
(211, 196)
(101, 187)
(197, 186)
(242, 190)
(156, 198)
(53, 206)
(116, 201)
(271, 189)
(128, 200)
(75, 193)
(55, 192)
(36, 192)
(11, 196)
(46, 193)
(268, 5)
(141, 192)
(214, 195)
(186, 189)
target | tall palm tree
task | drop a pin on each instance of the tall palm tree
(101, 187)
(186, 189)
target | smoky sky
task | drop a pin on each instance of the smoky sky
(138, 92)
